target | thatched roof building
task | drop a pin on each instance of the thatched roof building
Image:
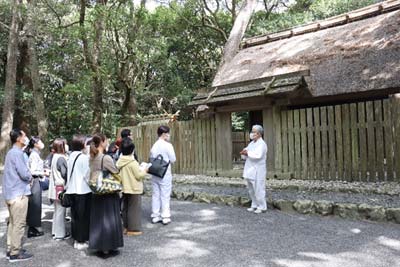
(347, 56)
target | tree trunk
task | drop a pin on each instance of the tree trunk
(238, 30)
(20, 120)
(93, 59)
(128, 109)
(9, 90)
(38, 95)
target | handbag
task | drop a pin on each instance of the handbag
(66, 199)
(106, 182)
(44, 183)
(158, 166)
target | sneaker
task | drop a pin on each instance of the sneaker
(33, 232)
(166, 221)
(20, 257)
(258, 211)
(68, 236)
(22, 250)
(80, 246)
(156, 220)
(133, 233)
(251, 209)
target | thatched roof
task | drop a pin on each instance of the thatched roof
(360, 54)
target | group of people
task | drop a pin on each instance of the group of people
(98, 221)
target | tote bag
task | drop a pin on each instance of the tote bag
(106, 182)
(158, 166)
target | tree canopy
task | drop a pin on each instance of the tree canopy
(115, 61)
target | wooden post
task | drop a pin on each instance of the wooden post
(223, 127)
(396, 127)
(269, 137)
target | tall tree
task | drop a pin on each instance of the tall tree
(34, 71)
(9, 90)
(238, 30)
(93, 59)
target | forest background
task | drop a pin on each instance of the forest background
(96, 65)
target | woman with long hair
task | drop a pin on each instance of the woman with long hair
(36, 166)
(58, 179)
(105, 231)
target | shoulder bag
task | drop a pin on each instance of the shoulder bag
(66, 199)
(106, 182)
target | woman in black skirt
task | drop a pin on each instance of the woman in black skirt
(105, 234)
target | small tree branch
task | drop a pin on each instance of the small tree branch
(5, 26)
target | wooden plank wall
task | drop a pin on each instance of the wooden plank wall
(351, 142)
(194, 143)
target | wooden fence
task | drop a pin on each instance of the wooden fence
(194, 143)
(353, 142)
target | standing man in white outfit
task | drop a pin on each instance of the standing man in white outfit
(160, 202)
(255, 169)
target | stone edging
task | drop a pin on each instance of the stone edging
(390, 189)
(323, 208)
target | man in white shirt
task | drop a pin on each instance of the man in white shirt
(162, 187)
(255, 169)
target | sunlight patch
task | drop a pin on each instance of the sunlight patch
(389, 242)
(355, 231)
(64, 264)
(178, 248)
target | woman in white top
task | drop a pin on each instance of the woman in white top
(36, 166)
(57, 181)
(77, 187)
(162, 187)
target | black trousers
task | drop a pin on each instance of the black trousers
(80, 217)
(34, 215)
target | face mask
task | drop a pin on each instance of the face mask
(167, 137)
(40, 145)
(252, 136)
(66, 148)
(86, 150)
(26, 141)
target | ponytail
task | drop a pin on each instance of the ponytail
(94, 145)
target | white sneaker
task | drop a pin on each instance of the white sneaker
(82, 246)
(258, 211)
(156, 220)
(166, 221)
(251, 209)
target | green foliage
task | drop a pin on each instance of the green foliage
(168, 53)
(302, 12)
(240, 121)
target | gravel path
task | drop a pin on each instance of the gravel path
(212, 235)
